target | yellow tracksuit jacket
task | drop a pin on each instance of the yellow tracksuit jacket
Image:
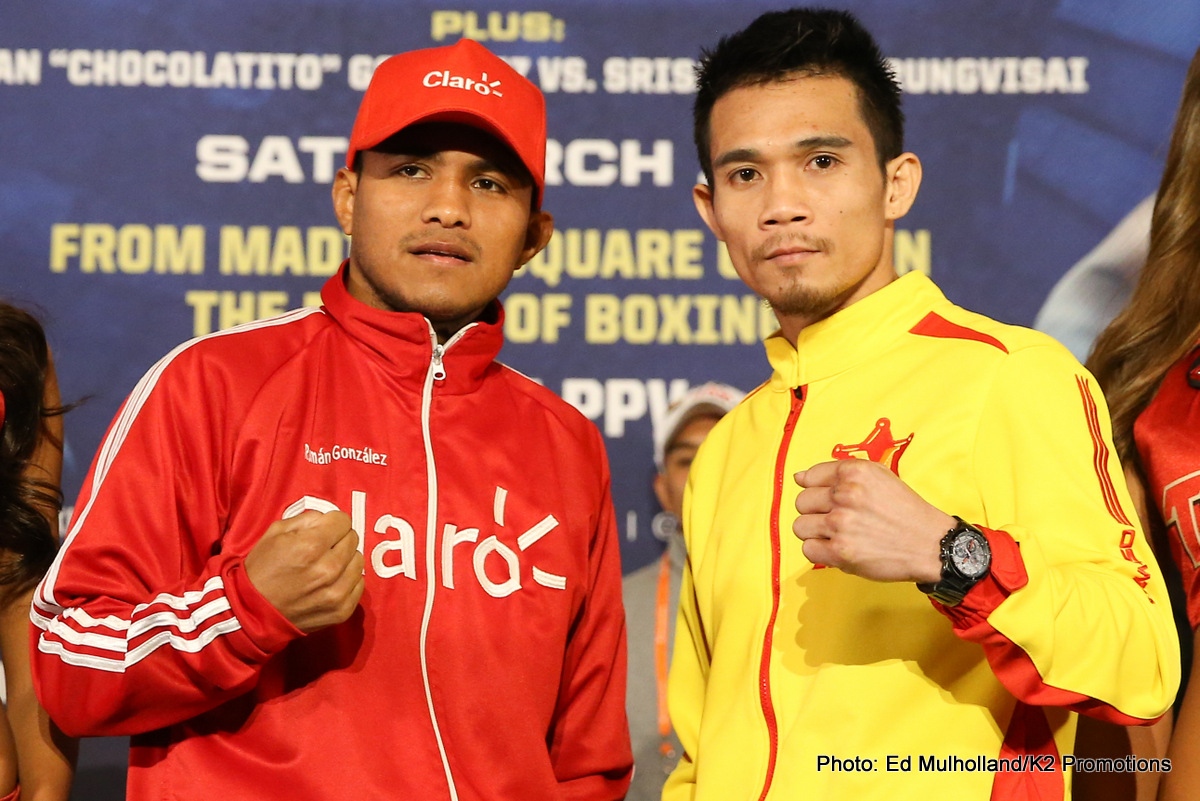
(790, 682)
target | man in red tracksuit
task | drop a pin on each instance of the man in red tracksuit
(344, 553)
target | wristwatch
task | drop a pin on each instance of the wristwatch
(966, 560)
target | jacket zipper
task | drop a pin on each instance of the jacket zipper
(764, 668)
(435, 372)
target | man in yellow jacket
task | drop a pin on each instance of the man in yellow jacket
(912, 557)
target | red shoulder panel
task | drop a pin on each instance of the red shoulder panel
(934, 325)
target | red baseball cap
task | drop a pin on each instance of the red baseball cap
(465, 83)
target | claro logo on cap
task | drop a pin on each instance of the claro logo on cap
(444, 78)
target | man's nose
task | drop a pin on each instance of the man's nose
(447, 203)
(785, 201)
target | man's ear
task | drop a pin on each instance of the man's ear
(903, 175)
(537, 235)
(345, 185)
(702, 196)
(660, 490)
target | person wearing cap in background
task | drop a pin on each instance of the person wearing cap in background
(651, 593)
(344, 553)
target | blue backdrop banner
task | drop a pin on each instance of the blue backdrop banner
(165, 173)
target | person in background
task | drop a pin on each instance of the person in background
(1148, 363)
(344, 552)
(910, 556)
(33, 751)
(651, 593)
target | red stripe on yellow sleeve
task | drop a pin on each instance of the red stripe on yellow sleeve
(1100, 453)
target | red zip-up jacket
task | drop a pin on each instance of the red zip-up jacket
(487, 658)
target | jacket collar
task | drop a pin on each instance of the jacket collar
(403, 343)
(854, 334)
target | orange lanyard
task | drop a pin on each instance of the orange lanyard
(661, 627)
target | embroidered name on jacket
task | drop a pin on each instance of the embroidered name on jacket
(339, 452)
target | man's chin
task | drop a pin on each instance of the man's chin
(808, 303)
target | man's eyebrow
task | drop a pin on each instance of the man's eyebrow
(740, 154)
(817, 142)
(509, 167)
(506, 167)
(810, 143)
(406, 151)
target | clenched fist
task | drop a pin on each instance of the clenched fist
(309, 568)
(860, 517)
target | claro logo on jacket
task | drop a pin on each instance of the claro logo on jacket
(396, 555)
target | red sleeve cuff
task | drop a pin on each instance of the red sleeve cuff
(1012, 666)
(1007, 575)
(266, 630)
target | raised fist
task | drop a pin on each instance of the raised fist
(859, 517)
(309, 568)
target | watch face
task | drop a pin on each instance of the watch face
(971, 554)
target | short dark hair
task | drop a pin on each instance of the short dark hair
(801, 42)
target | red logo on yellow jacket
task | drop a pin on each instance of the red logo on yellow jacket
(879, 446)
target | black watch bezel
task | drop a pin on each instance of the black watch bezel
(955, 584)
